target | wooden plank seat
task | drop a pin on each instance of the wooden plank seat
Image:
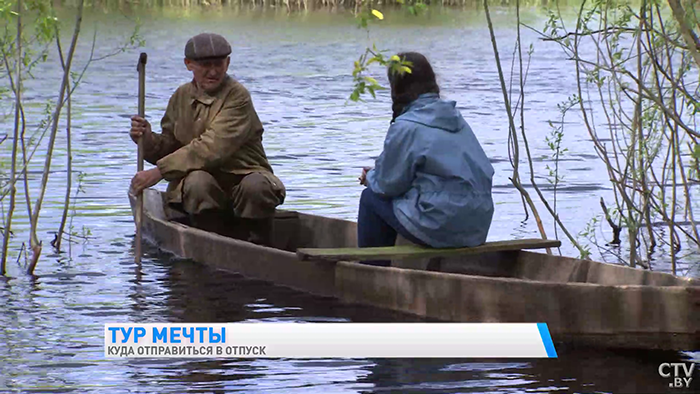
(415, 251)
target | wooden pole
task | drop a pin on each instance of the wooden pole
(141, 68)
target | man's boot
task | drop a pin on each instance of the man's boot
(260, 230)
(220, 222)
(208, 221)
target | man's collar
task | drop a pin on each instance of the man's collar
(204, 97)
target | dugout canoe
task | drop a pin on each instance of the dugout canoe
(583, 302)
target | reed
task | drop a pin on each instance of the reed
(636, 66)
(22, 48)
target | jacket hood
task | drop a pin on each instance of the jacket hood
(431, 111)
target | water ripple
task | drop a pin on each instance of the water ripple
(298, 72)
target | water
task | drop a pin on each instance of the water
(298, 71)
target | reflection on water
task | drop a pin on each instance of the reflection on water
(298, 72)
(53, 336)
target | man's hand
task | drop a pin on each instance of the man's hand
(139, 127)
(145, 179)
(363, 177)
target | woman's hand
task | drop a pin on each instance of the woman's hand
(363, 177)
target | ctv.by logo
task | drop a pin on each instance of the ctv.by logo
(679, 380)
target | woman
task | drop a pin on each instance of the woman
(432, 182)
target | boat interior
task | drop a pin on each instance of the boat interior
(298, 230)
(293, 230)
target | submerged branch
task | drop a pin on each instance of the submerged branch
(13, 166)
(52, 138)
(615, 228)
(69, 164)
(515, 179)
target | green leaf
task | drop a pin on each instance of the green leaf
(363, 22)
(696, 152)
(375, 59)
(371, 91)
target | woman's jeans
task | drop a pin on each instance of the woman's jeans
(377, 224)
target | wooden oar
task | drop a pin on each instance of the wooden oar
(141, 68)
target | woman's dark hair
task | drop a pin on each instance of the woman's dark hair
(406, 87)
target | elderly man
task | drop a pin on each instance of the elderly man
(210, 149)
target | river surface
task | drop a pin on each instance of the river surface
(297, 69)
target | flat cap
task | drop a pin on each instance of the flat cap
(207, 46)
